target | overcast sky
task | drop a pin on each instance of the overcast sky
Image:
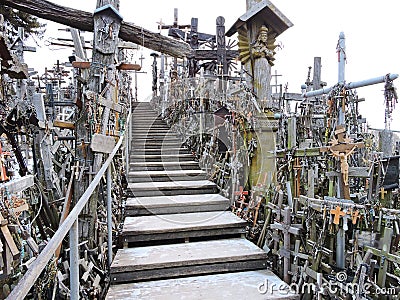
(371, 29)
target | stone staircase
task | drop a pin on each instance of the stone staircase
(180, 241)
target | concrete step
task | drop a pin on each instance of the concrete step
(175, 204)
(147, 176)
(187, 259)
(167, 188)
(225, 286)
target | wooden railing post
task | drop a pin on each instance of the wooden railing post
(74, 260)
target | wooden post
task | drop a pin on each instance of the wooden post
(222, 63)
(107, 23)
(317, 73)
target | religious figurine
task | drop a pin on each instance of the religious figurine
(344, 165)
(263, 46)
(260, 48)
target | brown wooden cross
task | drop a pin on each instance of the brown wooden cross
(241, 193)
(337, 212)
(383, 193)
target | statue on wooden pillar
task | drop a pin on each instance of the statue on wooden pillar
(260, 48)
(257, 30)
(257, 56)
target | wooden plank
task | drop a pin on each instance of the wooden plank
(176, 209)
(189, 270)
(102, 143)
(166, 175)
(186, 254)
(173, 226)
(162, 157)
(177, 200)
(10, 241)
(180, 222)
(228, 286)
(212, 54)
(161, 165)
(64, 124)
(171, 185)
(129, 67)
(176, 236)
(169, 173)
(19, 184)
(308, 152)
(81, 64)
(353, 172)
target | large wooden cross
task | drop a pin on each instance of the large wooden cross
(286, 229)
(384, 255)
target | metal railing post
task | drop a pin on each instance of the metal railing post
(109, 217)
(74, 260)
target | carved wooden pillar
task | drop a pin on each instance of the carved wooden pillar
(258, 67)
(257, 30)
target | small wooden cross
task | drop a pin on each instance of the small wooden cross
(337, 212)
(241, 193)
(383, 193)
(160, 25)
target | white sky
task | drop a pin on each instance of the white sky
(371, 29)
